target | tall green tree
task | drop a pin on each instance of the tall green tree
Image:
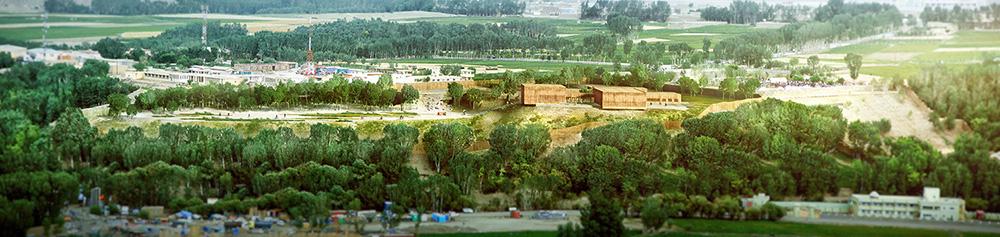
(446, 141)
(853, 64)
(111, 48)
(455, 91)
(603, 217)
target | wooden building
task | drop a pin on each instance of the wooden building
(616, 97)
(534, 94)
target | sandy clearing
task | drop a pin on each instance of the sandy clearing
(695, 34)
(650, 40)
(970, 49)
(652, 27)
(140, 34)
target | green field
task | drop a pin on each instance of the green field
(714, 33)
(909, 56)
(699, 227)
(111, 25)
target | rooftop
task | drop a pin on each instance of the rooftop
(619, 89)
(543, 86)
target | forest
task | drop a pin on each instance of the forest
(784, 149)
(965, 93)
(133, 7)
(336, 90)
(605, 9)
(33, 184)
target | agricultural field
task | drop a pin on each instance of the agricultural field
(891, 58)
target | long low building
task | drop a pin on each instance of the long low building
(930, 206)
(605, 97)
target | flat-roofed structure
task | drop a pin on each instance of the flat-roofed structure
(265, 67)
(930, 206)
(14, 50)
(534, 94)
(617, 97)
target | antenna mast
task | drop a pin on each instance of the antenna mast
(204, 25)
(45, 32)
(310, 66)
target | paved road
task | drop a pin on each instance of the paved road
(967, 226)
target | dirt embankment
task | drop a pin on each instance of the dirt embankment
(726, 106)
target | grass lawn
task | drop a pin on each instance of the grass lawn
(862, 49)
(974, 39)
(902, 71)
(698, 227)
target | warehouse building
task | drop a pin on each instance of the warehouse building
(265, 67)
(535, 94)
(930, 206)
(616, 97)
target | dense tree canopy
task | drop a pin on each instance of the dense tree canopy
(604, 9)
(969, 94)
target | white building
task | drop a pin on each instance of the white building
(14, 50)
(930, 206)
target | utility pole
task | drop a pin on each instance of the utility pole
(45, 32)
(204, 25)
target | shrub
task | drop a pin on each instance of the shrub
(96, 210)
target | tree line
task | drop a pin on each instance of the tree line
(605, 9)
(132, 7)
(336, 90)
(350, 40)
(963, 17)
(740, 12)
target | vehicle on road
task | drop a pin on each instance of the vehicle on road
(549, 215)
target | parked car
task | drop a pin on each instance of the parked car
(549, 215)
